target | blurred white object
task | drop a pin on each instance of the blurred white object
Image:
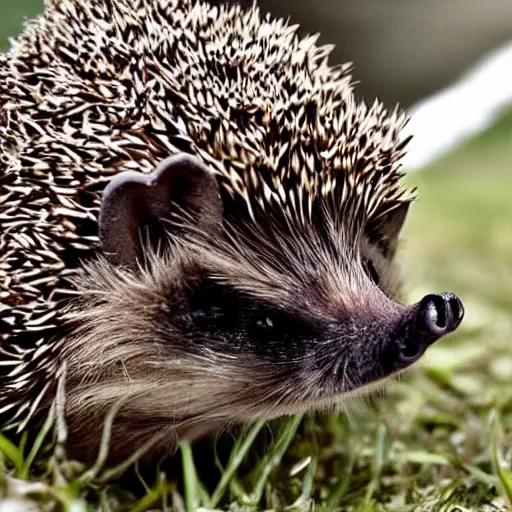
(444, 120)
(17, 505)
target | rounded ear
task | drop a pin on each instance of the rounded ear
(133, 202)
(388, 228)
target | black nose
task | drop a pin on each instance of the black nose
(436, 315)
(440, 314)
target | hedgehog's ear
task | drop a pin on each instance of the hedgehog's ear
(390, 226)
(135, 205)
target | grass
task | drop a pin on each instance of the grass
(440, 440)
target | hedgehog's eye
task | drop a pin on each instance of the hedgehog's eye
(264, 323)
(369, 268)
(265, 326)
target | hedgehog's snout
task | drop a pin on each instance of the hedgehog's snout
(435, 316)
(440, 314)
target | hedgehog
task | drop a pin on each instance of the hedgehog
(199, 224)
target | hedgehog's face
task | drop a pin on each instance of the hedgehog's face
(254, 322)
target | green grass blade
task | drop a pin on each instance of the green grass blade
(342, 483)
(41, 436)
(273, 458)
(189, 478)
(380, 448)
(12, 453)
(239, 452)
(504, 474)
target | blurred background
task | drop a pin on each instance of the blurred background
(458, 236)
(403, 49)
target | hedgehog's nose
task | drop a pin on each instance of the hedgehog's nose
(440, 314)
(435, 316)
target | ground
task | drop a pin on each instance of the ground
(439, 440)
